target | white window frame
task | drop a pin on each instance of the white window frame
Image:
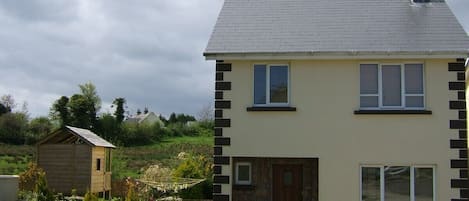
(267, 90)
(412, 179)
(403, 94)
(242, 182)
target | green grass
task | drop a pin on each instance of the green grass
(197, 140)
(126, 161)
(14, 159)
(132, 161)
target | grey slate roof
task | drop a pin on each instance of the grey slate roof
(90, 137)
(286, 26)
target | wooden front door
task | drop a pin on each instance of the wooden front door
(288, 182)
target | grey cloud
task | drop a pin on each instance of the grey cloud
(40, 10)
(149, 52)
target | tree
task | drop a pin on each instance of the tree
(206, 113)
(164, 120)
(172, 118)
(13, 128)
(109, 128)
(88, 90)
(80, 110)
(119, 113)
(89, 93)
(39, 127)
(61, 111)
(184, 118)
(3, 109)
(8, 101)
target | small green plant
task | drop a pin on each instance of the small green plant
(74, 192)
(90, 196)
(131, 195)
(41, 189)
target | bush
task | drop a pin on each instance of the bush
(29, 178)
(202, 190)
(41, 189)
(90, 196)
(13, 128)
(198, 167)
(133, 134)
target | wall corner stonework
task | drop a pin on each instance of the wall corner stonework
(221, 160)
(458, 86)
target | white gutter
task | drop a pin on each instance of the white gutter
(337, 55)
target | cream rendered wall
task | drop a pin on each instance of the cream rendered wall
(326, 93)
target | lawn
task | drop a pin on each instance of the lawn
(15, 159)
(127, 161)
(132, 161)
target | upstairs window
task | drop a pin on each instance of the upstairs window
(392, 86)
(271, 85)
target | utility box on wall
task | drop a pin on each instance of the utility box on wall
(9, 187)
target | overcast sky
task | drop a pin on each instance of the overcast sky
(147, 51)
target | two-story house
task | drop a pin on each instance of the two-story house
(339, 100)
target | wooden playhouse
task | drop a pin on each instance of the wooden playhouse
(75, 158)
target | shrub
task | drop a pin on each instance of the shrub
(29, 178)
(198, 167)
(202, 190)
(90, 196)
(140, 134)
(131, 188)
(41, 189)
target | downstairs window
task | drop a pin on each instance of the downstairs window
(389, 183)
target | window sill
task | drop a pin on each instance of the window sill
(272, 108)
(392, 112)
(244, 187)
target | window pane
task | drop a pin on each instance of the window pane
(260, 84)
(397, 183)
(391, 79)
(371, 184)
(369, 79)
(98, 164)
(414, 101)
(279, 84)
(243, 173)
(413, 79)
(369, 101)
(423, 184)
(287, 178)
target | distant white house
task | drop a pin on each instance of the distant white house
(144, 118)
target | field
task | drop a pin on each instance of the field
(131, 161)
(15, 159)
(127, 161)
